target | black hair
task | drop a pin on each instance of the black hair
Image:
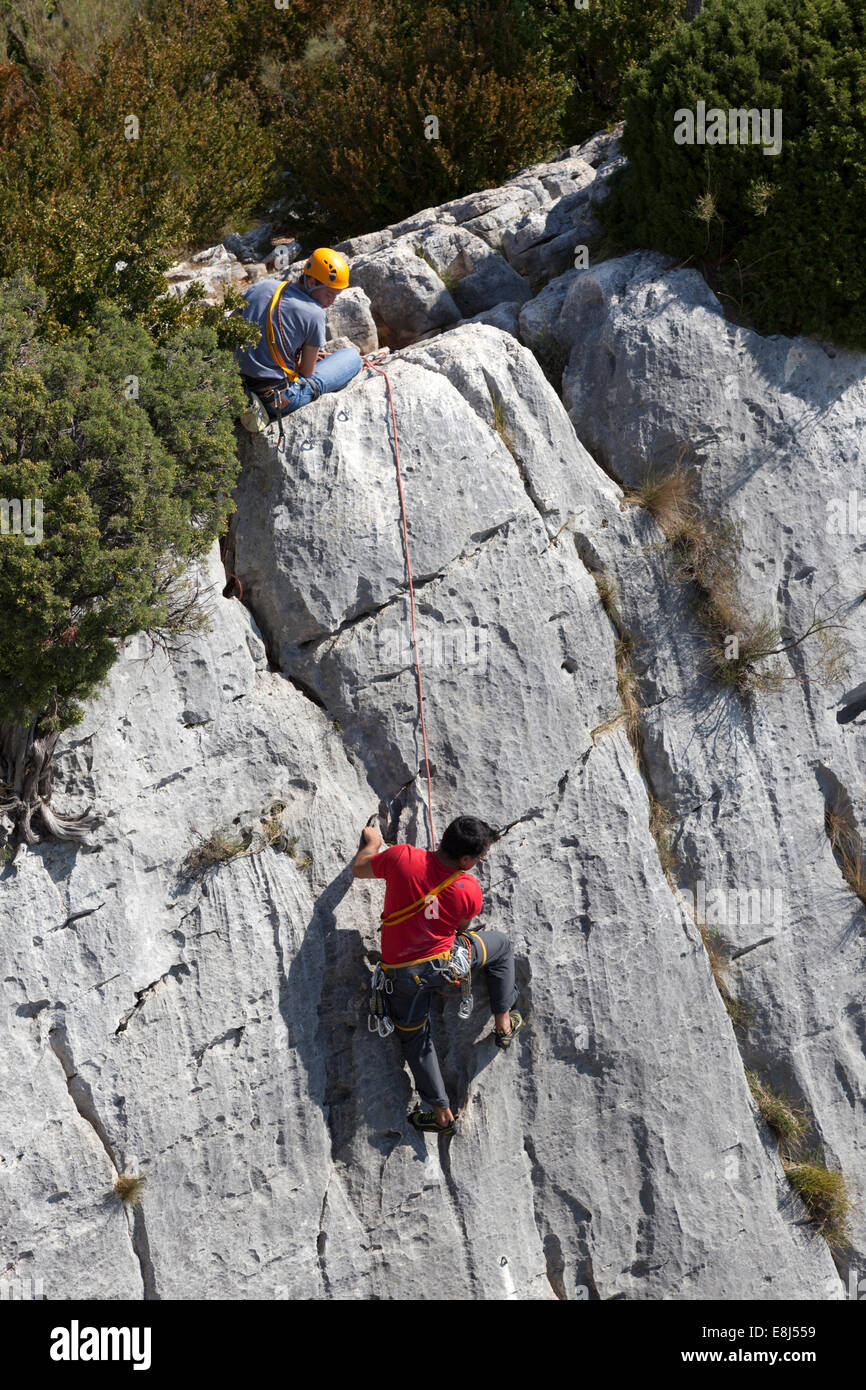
(467, 835)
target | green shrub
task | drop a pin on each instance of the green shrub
(41, 31)
(130, 446)
(77, 196)
(596, 47)
(778, 236)
(354, 118)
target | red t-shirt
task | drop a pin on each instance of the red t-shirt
(409, 873)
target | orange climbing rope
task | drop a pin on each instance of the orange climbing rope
(371, 366)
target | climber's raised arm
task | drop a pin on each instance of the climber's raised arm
(361, 867)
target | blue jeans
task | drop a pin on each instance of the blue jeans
(331, 374)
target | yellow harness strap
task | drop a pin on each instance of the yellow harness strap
(402, 913)
(271, 336)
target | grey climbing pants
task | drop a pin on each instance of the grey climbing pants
(414, 986)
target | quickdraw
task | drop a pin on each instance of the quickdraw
(380, 1020)
(457, 970)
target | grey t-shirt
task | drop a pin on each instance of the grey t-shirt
(301, 324)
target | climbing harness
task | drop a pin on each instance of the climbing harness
(454, 966)
(372, 367)
(381, 987)
(273, 333)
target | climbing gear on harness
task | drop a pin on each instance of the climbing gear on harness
(426, 1120)
(504, 1040)
(328, 267)
(372, 366)
(380, 1020)
(403, 913)
(457, 969)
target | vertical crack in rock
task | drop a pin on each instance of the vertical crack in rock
(522, 470)
(551, 1243)
(322, 1244)
(82, 1099)
(451, 1187)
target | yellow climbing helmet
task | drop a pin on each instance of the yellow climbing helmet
(329, 268)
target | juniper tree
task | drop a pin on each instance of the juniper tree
(129, 445)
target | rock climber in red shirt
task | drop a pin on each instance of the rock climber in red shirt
(430, 899)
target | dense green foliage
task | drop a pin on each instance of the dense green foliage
(354, 119)
(128, 160)
(779, 235)
(130, 445)
(238, 101)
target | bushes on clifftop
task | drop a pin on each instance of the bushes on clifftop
(124, 452)
(355, 120)
(779, 236)
(159, 143)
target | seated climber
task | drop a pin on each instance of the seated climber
(287, 367)
(430, 898)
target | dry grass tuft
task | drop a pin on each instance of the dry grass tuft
(718, 950)
(788, 1122)
(669, 497)
(741, 651)
(824, 1193)
(129, 1188)
(848, 846)
(219, 848)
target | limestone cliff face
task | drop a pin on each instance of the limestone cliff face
(211, 1033)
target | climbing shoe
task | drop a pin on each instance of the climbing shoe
(426, 1120)
(504, 1040)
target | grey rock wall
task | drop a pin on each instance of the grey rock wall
(210, 1033)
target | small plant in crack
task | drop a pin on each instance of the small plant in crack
(606, 592)
(739, 1012)
(741, 651)
(273, 831)
(789, 1122)
(847, 846)
(220, 847)
(824, 1193)
(449, 276)
(303, 861)
(500, 423)
(626, 677)
(661, 828)
(822, 1190)
(718, 950)
(129, 1187)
